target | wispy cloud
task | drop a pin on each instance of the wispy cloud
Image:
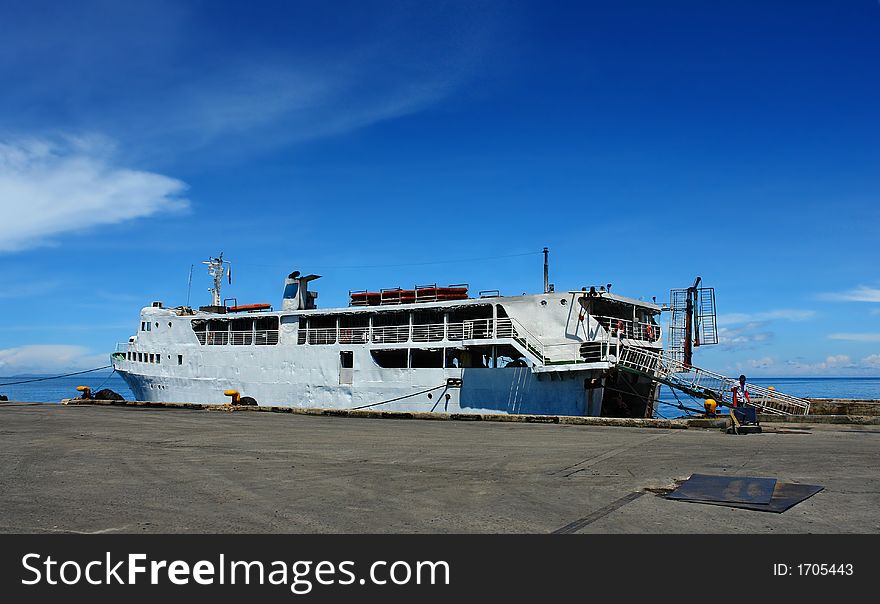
(862, 293)
(178, 80)
(741, 331)
(50, 187)
(744, 337)
(834, 364)
(856, 337)
(49, 358)
(27, 290)
(785, 314)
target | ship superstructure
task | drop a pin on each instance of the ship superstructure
(427, 348)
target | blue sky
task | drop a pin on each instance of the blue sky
(384, 144)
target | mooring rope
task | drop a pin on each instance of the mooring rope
(55, 377)
(106, 380)
(391, 400)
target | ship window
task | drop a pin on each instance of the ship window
(469, 323)
(427, 317)
(180, 359)
(427, 326)
(241, 325)
(152, 358)
(508, 356)
(390, 327)
(158, 358)
(346, 359)
(469, 313)
(470, 357)
(390, 358)
(322, 329)
(427, 358)
(387, 319)
(354, 328)
(264, 323)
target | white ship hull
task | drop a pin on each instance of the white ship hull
(539, 354)
(504, 390)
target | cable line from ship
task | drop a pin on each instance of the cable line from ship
(55, 377)
(680, 405)
(365, 266)
(106, 380)
(391, 400)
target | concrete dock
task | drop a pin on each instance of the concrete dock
(107, 469)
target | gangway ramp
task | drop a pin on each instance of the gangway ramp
(701, 383)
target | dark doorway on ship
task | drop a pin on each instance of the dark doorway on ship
(625, 395)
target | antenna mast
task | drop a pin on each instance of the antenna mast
(189, 283)
(217, 267)
(546, 272)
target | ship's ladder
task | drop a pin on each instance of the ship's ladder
(702, 383)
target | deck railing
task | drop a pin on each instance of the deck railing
(628, 329)
(261, 337)
(604, 334)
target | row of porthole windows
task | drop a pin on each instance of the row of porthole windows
(149, 357)
(147, 326)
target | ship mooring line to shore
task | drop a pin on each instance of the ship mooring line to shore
(55, 377)
(391, 400)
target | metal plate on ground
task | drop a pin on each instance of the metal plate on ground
(786, 495)
(725, 489)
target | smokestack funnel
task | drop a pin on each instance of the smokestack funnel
(296, 292)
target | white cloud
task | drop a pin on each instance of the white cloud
(862, 293)
(49, 358)
(856, 337)
(743, 337)
(834, 364)
(131, 70)
(762, 363)
(49, 187)
(788, 314)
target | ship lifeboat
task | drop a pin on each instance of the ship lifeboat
(248, 307)
(407, 296)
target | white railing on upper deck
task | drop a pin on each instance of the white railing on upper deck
(260, 337)
(605, 335)
(628, 329)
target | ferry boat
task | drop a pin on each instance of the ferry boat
(427, 348)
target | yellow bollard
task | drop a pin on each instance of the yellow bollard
(86, 391)
(710, 405)
(236, 396)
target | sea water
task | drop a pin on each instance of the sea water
(53, 390)
(803, 387)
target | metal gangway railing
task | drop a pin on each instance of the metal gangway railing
(702, 383)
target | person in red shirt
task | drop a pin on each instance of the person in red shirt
(740, 393)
